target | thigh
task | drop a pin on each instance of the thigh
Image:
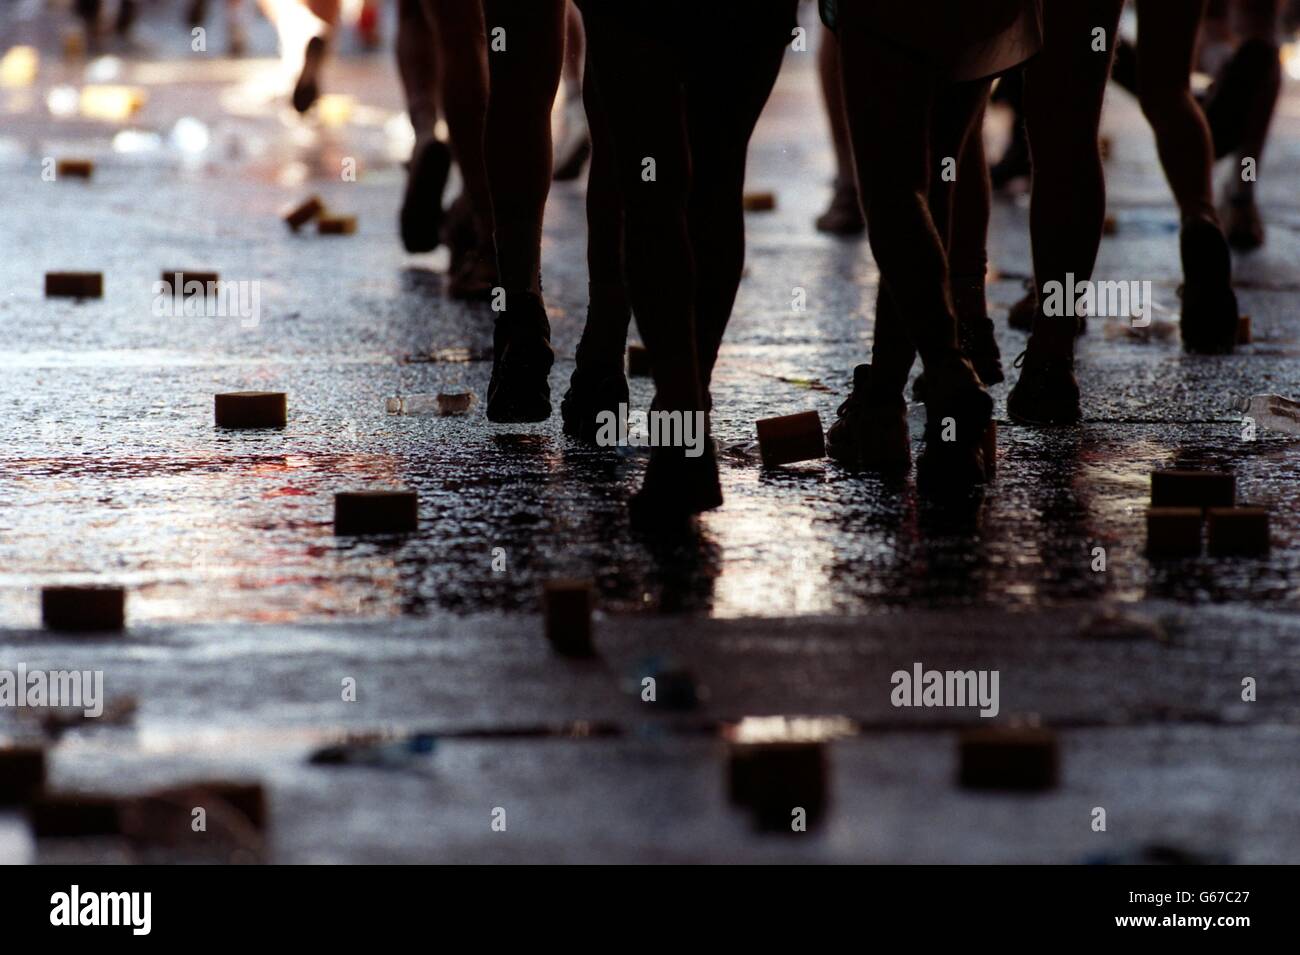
(958, 112)
(457, 19)
(638, 75)
(1167, 35)
(1068, 77)
(728, 84)
(888, 99)
(526, 42)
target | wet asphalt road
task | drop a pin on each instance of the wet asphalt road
(800, 596)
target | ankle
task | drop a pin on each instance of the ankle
(969, 298)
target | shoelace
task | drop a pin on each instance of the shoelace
(1046, 362)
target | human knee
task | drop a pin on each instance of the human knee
(1164, 102)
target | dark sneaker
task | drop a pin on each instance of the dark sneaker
(675, 489)
(307, 90)
(980, 346)
(476, 277)
(519, 389)
(844, 215)
(975, 334)
(1047, 392)
(592, 390)
(426, 178)
(1209, 319)
(1021, 315)
(870, 432)
(955, 431)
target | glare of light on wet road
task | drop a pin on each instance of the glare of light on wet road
(760, 586)
(190, 135)
(19, 67)
(335, 109)
(62, 101)
(789, 729)
(114, 104)
(1291, 59)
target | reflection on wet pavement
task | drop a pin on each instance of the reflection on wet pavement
(112, 468)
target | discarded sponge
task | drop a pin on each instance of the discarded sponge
(71, 815)
(376, 512)
(776, 778)
(183, 279)
(638, 361)
(1175, 488)
(1020, 758)
(1237, 530)
(1173, 531)
(759, 201)
(336, 225)
(74, 169)
(567, 606)
(251, 409)
(22, 774)
(74, 285)
(83, 608)
(792, 438)
(298, 216)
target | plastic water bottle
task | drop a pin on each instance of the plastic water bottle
(444, 403)
(1272, 412)
(413, 404)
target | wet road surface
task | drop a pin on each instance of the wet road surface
(801, 595)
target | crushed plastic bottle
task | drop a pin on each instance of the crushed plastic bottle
(412, 404)
(1272, 412)
(451, 403)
